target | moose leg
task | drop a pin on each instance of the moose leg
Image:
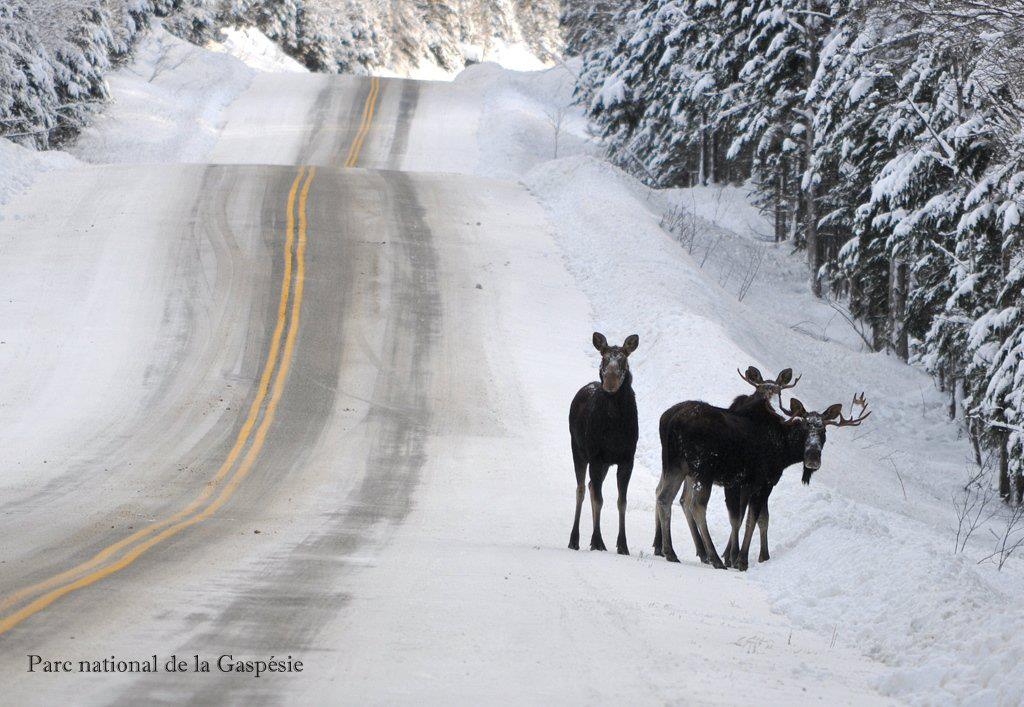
(623, 472)
(671, 480)
(762, 524)
(757, 501)
(736, 503)
(597, 474)
(657, 519)
(581, 489)
(742, 562)
(701, 496)
(687, 503)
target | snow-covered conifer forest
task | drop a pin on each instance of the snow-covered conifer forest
(885, 139)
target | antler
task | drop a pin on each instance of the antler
(784, 386)
(859, 401)
(750, 380)
(795, 409)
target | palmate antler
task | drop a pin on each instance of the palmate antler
(752, 376)
(858, 401)
(783, 380)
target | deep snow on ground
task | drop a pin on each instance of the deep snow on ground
(166, 105)
(513, 56)
(852, 556)
(255, 50)
(20, 165)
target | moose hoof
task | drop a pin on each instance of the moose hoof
(671, 557)
(658, 552)
(764, 558)
(597, 545)
(741, 565)
(718, 564)
(704, 559)
(574, 544)
(622, 550)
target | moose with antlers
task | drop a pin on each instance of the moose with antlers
(737, 496)
(603, 430)
(745, 449)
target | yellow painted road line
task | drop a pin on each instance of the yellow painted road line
(362, 122)
(241, 439)
(369, 119)
(364, 125)
(187, 516)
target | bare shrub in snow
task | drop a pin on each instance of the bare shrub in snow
(973, 507)
(750, 273)
(1009, 538)
(683, 224)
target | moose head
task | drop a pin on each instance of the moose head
(614, 360)
(768, 389)
(812, 427)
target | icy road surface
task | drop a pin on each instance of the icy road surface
(303, 403)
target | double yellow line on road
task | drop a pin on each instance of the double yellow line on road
(111, 558)
(364, 125)
(29, 600)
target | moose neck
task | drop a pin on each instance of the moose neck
(795, 437)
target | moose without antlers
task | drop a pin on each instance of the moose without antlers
(604, 431)
(748, 448)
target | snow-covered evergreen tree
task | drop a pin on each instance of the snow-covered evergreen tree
(588, 25)
(887, 139)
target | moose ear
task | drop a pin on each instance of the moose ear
(632, 341)
(796, 408)
(832, 412)
(785, 376)
(754, 375)
(600, 343)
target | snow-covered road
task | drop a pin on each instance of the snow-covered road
(262, 408)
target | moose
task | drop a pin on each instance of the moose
(604, 431)
(744, 449)
(737, 497)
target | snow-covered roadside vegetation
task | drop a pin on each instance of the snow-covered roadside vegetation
(882, 138)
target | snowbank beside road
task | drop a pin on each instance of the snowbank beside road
(20, 165)
(256, 51)
(166, 104)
